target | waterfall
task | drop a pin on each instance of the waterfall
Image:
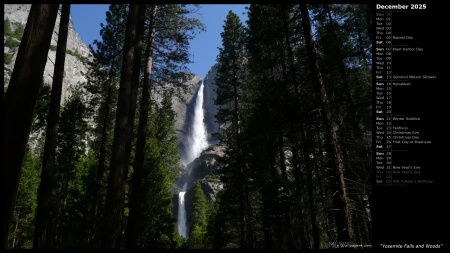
(182, 213)
(196, 142)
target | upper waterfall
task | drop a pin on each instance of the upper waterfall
(196, 140)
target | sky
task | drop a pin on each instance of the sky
(203, 49)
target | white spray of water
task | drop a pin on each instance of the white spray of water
(182, 213)
(196, 142)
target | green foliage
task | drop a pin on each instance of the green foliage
(230, 76)
(196, 238)
(268, 108)
(70, 52)
(72, 168)
(7, 28)
(198, 219)
(41, 109)
(160, 170)
(72, 129)
(231, 81)
(7, 58)
(178, 242)
(18, 33)
(78, 56)
(22, 226)
(223, 224)
(12, 42)
(175, 25)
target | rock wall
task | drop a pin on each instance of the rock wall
(74, 68)
(210, 108)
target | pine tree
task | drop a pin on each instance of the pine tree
(342, 46)
(103, 76)
(269, 117)
(168, 25)
(342, 212)
(230, 80)
(157, 226)
(22, 225)
(20, 99)
(135, 211)
(115, 199)
(52, 131)
(70, 149)
(198, 219)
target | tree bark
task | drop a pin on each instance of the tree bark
(20, 100)
(115, 199)
(309, 186)
(138, 174)
(339, 192)
(48, 161)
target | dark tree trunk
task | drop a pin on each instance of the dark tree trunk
(61, 207)
(135, 84)
(101, 164)
(299, 193)
(48, 161)
(138, 174)
(322, 185)
(265, 193)
(20, 100)
(273, 188)
(115, 199)
(295, 129)
(310, 188)
(284, 180)
(339, 193)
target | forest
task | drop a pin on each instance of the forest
(99, 171)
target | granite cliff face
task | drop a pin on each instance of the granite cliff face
(78, 53)
(210, 108)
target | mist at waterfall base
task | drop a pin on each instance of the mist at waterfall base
(194, 144)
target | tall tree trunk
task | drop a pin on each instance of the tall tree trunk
(48, 161)
(266, 220)
(297, 127)
(310, 188)
(284, 184)
(284, 177)
(61, 206)
(115, 198)
(101, 164)
(356, 132)
(138, 174)
(274, 186)
(339, 192)
(322, 187)
(135, 84)
(20, 100)
(13, 245)
(299, 192)
(265, 193)
(247, 234)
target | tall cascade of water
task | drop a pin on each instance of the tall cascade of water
(196, 142)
